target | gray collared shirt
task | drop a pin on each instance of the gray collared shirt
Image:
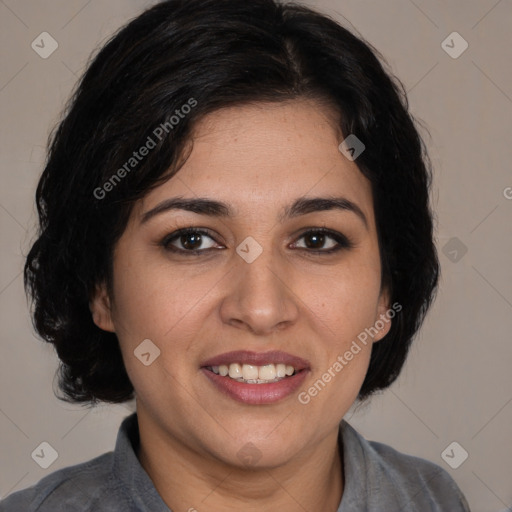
(377, 479)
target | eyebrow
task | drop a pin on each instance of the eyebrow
(301, 206)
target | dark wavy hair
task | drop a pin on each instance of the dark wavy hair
(220, 53)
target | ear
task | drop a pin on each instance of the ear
(100, 306)
(383, 319)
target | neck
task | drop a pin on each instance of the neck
(189, 480)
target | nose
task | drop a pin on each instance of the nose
(260, 297)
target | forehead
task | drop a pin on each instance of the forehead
(268, 135)
(265, 155)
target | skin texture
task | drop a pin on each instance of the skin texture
(257, 158)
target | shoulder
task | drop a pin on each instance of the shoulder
(71, 489)
(420, 479)
(411, 482)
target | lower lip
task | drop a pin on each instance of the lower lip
(256, 394)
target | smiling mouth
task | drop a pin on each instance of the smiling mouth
(252, 374)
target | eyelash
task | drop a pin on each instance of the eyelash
(342, 241)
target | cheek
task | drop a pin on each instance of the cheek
(152, 300)
(341, 312)
(153, 303)
(345, 302)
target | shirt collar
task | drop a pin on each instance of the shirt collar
(129, 471)
(358, 473)
(367, 484)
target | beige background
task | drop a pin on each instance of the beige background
(457, 384)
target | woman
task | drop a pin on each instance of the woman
(235, 229)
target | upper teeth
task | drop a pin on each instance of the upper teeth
(249, 372)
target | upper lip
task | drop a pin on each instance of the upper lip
(258, 359)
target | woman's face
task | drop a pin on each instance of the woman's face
(261, 280)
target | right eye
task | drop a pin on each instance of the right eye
(189, 240)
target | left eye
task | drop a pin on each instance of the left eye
(315, 240)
